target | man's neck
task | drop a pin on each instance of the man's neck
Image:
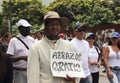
(79, 38)
(52, 38)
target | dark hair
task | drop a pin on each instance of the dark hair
(6, 35)
(118, 44)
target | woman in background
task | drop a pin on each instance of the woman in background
(6, 67)
(93, 58)
(111, 56)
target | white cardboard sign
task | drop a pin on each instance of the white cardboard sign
(66, 63)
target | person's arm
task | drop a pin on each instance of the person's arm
(15, 59)
(105, 57)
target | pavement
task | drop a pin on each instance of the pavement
(103, 76)
(102, 73)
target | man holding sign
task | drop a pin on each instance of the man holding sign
(49, 59)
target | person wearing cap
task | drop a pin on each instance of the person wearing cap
(39, 70)
(82, 47)
(19, 52)
(93, 57)
(111, 56)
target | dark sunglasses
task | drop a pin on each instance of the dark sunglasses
(91, 38)
(81, 30)
(115, 38)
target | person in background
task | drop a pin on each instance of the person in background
(106, 43)
(82, 47)
(6, 67)
(39, 70)
(38, 35)
(6, 39)
(18, 51)
(93, 58)
(111, 56)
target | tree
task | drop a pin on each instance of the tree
(30, 10)
(88, 12)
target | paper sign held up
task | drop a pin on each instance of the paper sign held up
(66, 63)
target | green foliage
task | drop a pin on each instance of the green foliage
(31, 10)
(88, 12)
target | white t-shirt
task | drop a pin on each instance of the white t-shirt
(112, 58)
(93, 57)
(82, 47)
(17, 48)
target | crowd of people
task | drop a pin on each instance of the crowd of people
(24, 59)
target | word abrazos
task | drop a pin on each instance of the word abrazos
(66, 61)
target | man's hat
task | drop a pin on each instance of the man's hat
(79, 26)
(23, 22)
(54, 15)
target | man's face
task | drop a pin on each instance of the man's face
(25, 31)
(52, 28)
(80, 33)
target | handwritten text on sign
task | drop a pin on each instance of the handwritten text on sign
(66, 63)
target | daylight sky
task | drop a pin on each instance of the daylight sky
(46, 2)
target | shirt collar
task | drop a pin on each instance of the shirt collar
(51, 41)
(19, 35)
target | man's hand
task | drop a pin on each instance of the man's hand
(110, 74)
(68, 78)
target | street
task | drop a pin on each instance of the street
(103, 78)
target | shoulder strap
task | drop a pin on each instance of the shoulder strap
(98, 52)
(23, 43)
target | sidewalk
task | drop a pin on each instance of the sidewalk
(102, 73)
(103, 77)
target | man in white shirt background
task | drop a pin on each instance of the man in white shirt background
(19, 51)
(82, 47)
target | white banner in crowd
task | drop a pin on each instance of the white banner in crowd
(66, 63)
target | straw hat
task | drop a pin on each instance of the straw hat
(54, 15)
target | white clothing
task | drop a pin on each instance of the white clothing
(39, 70)
(17, 48)
(93, 57)
(112, 58)
(20, 76)
(36, 40)
(82, 47)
